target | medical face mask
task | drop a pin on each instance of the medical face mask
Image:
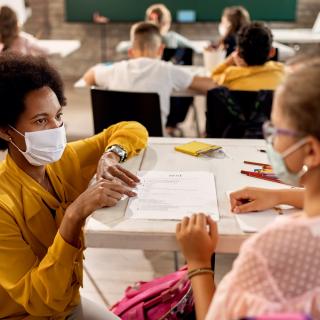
(44, 146)
(223, 30)
(279, 166)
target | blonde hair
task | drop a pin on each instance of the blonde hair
(9, 28)
(299, 98)
(160, 15)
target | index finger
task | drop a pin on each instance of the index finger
(116, 172)
(129, 174)
(238, 197)
(122, 189)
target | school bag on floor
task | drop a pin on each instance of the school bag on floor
(280, 316)
(165, 298)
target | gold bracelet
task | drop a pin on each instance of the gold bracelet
(196, 272)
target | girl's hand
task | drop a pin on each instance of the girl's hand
(197, 237)
(253, 199)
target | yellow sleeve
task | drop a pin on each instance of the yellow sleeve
(132, 136)
(43, 287)
(218, 74)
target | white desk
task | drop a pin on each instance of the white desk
(61, 47)
(199, 46)
(110, 229)
(299, 36)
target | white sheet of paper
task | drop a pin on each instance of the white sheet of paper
(171, 195)
(255, 221)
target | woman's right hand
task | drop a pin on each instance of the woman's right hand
(103, 193)
(253, 199)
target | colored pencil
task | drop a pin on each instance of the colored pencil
(259, 176)
(265, 165)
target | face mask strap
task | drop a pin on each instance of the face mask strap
(294, 148)
(14, 129)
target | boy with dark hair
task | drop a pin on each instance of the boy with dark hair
(249, 68)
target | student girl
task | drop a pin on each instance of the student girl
(44, 193)
(161, 16)
(13, 39)
(277, 270)
(232, 20)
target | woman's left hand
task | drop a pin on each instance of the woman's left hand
(198, 237)
(110, 169)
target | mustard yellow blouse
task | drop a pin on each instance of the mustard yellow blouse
(40, 273)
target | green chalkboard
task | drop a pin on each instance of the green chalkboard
(206, 10)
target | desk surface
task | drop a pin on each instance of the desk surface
(199, 45)
(296, 36)
(111, 229)
(61, 47)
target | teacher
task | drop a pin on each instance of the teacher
(44, 193)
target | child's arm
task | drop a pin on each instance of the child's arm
(202, 84)
(258, 199)
(198, 237)
(89, 77)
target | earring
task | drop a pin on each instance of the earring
(303, 171)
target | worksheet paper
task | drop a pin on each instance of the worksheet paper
(171, 195)
(252, 222)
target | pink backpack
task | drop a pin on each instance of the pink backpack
(280, 316)
(166, 298)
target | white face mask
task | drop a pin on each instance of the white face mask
(44, 146)
(223, 29)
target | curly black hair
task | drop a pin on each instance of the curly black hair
(19, 75)
(254, 43)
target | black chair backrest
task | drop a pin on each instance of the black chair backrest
(182, 56)
(237, 114)
(110, 107)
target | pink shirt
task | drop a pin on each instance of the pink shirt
(25, 43)
(277, 270)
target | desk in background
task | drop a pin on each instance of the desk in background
(60, 47)
(109, 228)
(123, 46)
(298, 36)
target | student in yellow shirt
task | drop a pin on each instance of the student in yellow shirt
(44, 193)
(249, 68)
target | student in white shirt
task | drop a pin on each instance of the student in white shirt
(145, 71)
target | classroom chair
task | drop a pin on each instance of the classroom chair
(182, 56)
(110, 107)
(179, 106)
(237, 114)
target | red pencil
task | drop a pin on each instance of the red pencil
(265, 165)
(259, 176)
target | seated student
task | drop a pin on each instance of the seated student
(248, 67)
(256, 199)
(14, 40)
(278, 269)
(232, 20)
(44, 193)
(161, 16)
(146, 72)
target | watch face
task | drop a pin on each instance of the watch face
(119, 151)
